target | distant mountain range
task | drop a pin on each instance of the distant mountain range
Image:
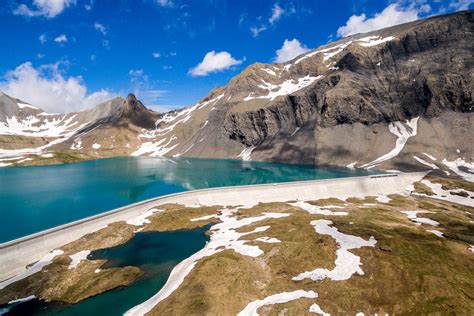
(397, 98)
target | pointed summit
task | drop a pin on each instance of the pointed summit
(132, 105)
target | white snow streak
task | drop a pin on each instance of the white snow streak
(346, 262)
(412, 215)
(374, 40)
(77, 258)
(403, 131)
(280, 298)
(314, 209)
(426, 163)
(285, 88)
(246, 153)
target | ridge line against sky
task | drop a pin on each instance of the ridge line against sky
(70, 55)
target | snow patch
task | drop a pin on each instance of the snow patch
(96, 146)
(155, 149)
(461, 163)
(374, 40)
(328, 53)
(280, 298)
(429, 156)
(437, 233)
(412, 215)
(77, 258)
(142, 219)
(38, 266)
(314, 209)
(268, 240)
(382, 198)
(269, 71)
(287, 87)
(446, 195)
(346, 262)
(426, 163)
(351, 165)
(26, 105)
(403, 131)
(317, 310)
(246, 153)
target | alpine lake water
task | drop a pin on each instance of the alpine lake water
(37, 198)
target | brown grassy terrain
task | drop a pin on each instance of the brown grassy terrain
(409, 271)
(177, 216)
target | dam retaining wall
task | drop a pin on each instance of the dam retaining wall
(15, 255)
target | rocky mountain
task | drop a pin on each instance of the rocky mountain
(397, 98)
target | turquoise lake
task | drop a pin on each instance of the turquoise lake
(37, 198)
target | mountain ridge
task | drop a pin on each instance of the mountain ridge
(341, 104)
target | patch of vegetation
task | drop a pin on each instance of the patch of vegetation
(177, 216)
(451, 183)
(422, 188)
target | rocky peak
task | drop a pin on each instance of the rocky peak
(132, 105)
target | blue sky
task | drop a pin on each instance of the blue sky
(66, 55)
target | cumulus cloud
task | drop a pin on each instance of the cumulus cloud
(214, 62)
(392, 15)
(46, 8)
(47, 88)
(290, 50)
(99, 27)
(156, 55)
(277, 12)
(61, 38)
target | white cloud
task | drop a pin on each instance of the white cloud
(257, 30)
(46, 8)
(88, 6)
(392, 15)
(42, 38)
(214, 62)
(459, 5)
(277, 12)
(138, 75)
(290, 50)
(165, 3)
(156, 55)
(61, 38)
(47, 88)
(99, 27)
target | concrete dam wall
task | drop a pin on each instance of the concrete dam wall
(15, 255)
